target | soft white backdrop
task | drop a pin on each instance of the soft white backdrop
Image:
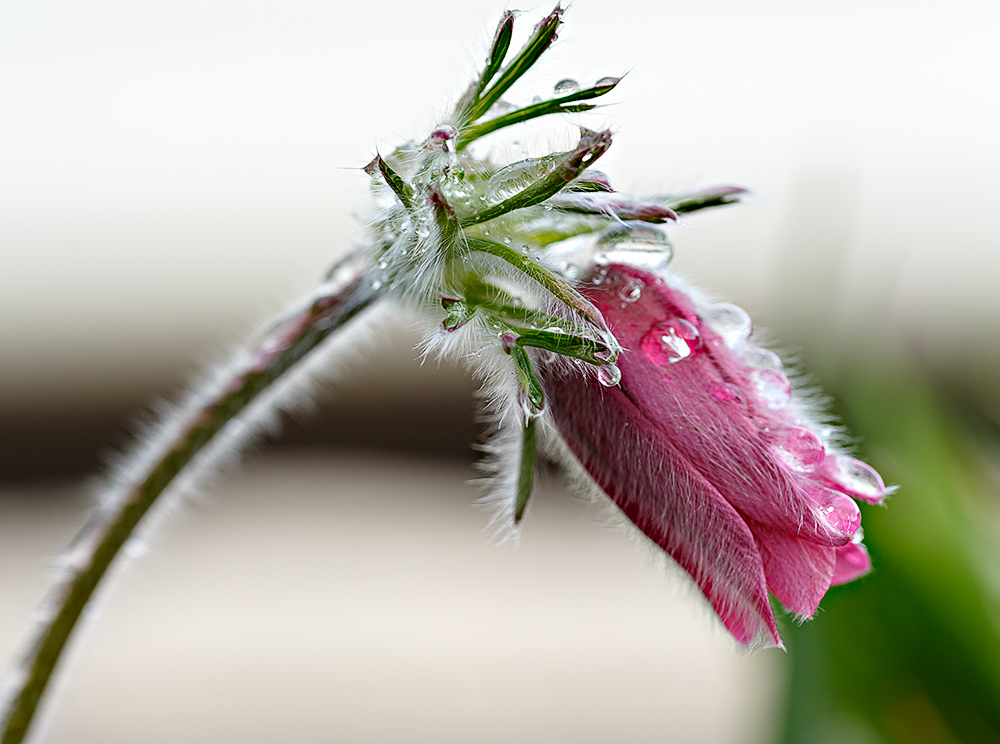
(172, 172)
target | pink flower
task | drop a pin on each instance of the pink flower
(705, 449)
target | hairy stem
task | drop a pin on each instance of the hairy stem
(113, 524)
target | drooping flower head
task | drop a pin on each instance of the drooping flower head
(554, 287)
(705, 448)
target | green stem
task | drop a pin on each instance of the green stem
(110, 528)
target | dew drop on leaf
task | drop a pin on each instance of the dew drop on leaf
(566, 86)
(609, 375)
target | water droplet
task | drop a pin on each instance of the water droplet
(457, 189)
(424, 231)
(530, 410)
(730, 394)
(568, 270)
(609, 375)
(606, 81)
(800, 449)
(635, 244)
(857, 478)
(506, 241)
(517, 176)
(377, 284)
(566, 86)
(671, 341)
(383, 264)
(631, 289)
(773, 387)
(136, 548)
(762, 359)
(731, 322)
(838, 511)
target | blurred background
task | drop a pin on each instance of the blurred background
(172, 174)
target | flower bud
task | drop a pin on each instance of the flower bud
(706, 449)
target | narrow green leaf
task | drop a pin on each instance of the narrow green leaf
(541, 39)
(591, 146)
(717, 196)
(560, 105)
(526, 475)
(403, 190)
(567, 344)
(548, 279)
(526, 377)
(501, 43)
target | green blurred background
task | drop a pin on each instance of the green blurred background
(172, 174)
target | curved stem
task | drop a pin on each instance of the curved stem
(111, 526)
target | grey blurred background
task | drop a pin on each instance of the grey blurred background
(171, 174)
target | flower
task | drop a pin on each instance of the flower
(551, 285)
(705, 448)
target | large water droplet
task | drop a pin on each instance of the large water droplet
(566, 86)
(671, 341)
(839, 511)
(609, 375)
(634, 244)
(762, 359)
(458, 190)
(517, 176)
(731, 322)
(606, 81)
(424, 231)
(773, 387)
(800, 449)
(857, 478)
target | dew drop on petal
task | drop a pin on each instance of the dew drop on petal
(730, 394)
(609, 375)
(731, 322)
(671, 341)
(566, 86)
(800, 449)
(840, 512)
(773, 387)
(631, 290)
(855, 477)
(762, 359)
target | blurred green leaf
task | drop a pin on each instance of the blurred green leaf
(912, 652)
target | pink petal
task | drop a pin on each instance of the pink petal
(721, 439)
(639, 468)
(798, 571)
(852, 563)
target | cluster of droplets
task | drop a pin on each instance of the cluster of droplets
(837, 479)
